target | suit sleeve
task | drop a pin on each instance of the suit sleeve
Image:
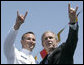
(9, 44)
(70, 45)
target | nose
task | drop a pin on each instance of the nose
(32, 42)
(48, 39)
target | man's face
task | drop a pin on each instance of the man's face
(28, 42)
(49, 41)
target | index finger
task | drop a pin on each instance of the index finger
(17, 13)
(25, 14)
(69, 7)
(76, 9)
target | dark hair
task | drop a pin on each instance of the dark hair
(27, 33)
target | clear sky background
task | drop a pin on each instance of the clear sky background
(42, 16)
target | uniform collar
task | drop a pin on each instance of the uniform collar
(27, 52)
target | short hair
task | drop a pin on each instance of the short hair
(25, 34)
(45, 33)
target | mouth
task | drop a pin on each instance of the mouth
(50, 44)
(32, 46)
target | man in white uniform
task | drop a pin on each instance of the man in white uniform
(13, 55)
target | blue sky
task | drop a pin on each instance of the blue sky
(42, 16)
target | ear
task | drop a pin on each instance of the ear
(42, 44)
(22, 42)
(57, 41)
(56, 44)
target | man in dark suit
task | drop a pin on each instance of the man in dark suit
(65, 52)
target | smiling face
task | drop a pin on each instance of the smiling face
(28, 41)
(49, 41)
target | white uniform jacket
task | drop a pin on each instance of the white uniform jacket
(12, 54)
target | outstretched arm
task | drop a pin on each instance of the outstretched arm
(71, 42)
(9, 41)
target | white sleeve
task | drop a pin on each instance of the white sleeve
(9, 44)
(74, 27)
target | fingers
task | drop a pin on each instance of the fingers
(17, 13)
(76, 9)
(69, 7)
(25, 14)
(21, 16)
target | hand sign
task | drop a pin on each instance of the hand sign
(72, 13)
(20, 18)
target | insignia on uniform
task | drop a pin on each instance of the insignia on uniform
(23, 57)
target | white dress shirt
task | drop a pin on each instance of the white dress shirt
(13, 55)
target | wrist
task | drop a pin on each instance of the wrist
(72, 22)
(17, 26)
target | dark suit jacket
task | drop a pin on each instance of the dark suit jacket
(65, 52)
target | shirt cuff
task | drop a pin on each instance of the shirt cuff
(14, 29)
(74, 27)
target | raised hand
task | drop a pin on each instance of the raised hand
(72, 13)
(19, 20)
